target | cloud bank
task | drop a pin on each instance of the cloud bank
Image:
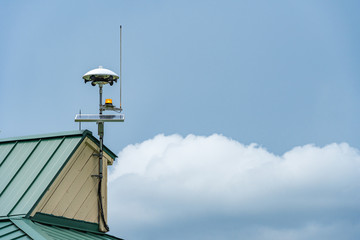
(171, 187)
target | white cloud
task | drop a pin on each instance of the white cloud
(171, 187)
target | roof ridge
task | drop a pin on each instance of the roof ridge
(49, 135)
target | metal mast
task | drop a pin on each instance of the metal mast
(101, 76)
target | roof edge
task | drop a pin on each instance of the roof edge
(44, 136)
(83, 133)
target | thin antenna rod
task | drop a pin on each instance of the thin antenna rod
(120, 66)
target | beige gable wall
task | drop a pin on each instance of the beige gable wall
(73, 194)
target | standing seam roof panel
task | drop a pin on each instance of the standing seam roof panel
(30, 169)
(8, 230)
(14, 162)
(5, 150)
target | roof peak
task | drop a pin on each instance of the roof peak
(49, 135)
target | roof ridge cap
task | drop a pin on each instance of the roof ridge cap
(49, 135)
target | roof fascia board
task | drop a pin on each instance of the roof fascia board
(66, 222)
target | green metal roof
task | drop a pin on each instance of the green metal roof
(28, 165)
(22, 228)
(8, 230)
(58, 233)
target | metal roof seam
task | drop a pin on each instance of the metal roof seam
(11, 216)
(22, 165)
(31, 184)
(6, 225)
(7, 155)
(8, 233)
(22, 237)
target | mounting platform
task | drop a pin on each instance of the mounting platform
(99, 118)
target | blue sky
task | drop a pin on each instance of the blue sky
(277, 73)
(280, 74)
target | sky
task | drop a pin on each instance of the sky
(241, 116)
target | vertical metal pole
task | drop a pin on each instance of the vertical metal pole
(101, 134)
(120, 65)
(100, 96)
